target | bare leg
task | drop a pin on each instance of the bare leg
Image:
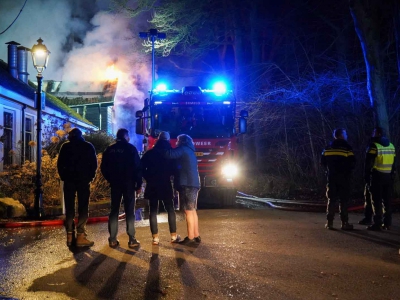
(196, 224)
(190, 222)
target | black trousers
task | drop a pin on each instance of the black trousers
(338, 190)
(381, 194)
(169, 207)
(82, 189)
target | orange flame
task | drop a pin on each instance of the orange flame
(111, 73)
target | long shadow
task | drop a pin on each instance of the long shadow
(111, 286)
(379, 240)
(188, 279)
(153, 282)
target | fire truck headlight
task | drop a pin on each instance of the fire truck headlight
(230, 171)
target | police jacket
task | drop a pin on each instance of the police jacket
(157, 171)
(186, 161)
(77, 160)
(121, 164)
(338, 159)
(380, 159)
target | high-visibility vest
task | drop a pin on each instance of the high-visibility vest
(384, 158)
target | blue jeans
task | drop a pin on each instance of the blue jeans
(126, 191)
(71, 188)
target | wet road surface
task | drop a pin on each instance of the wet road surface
(244, 254)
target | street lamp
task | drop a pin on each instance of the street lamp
(153, 34)
(40, 57)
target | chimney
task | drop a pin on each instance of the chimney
(22, 63)
(12, 58)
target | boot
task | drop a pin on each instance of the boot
(70, 238)
(82, 241)
(329, 224)
(347, 226)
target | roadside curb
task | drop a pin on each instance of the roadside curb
(58, 222)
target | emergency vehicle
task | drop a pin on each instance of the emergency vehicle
(209, 118)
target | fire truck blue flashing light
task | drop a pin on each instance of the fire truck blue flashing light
(161, 87)
(219, 88)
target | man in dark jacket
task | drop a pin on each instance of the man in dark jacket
(121, 167)
(157, 172)
(338, 160)
(380, 171)
(77, 164)
(188, 184)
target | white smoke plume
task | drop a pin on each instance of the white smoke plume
(84, 39)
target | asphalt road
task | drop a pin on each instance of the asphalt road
(245, 254)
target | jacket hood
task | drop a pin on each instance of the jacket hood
(384, 141)
(162, 145)
(74, 139)
(189, 145)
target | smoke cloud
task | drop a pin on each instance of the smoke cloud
(84, 40)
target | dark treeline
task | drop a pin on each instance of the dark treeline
(301, 69)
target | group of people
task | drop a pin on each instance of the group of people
(379, 172)
(122, 167)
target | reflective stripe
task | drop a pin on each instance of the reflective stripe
(384, 158)
(338, 153)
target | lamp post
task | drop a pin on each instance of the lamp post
(153, 34)
(40, 57)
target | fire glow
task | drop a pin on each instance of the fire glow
(111, 73)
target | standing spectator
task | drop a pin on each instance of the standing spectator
(188, 184)
(77, 164)
(338, 160)
(157, 172)
(121, 167)
(380, 172)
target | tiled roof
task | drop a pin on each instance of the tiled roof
(28, 91)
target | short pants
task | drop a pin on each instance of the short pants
(188, 197)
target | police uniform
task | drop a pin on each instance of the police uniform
(379, 173)
(338, 160)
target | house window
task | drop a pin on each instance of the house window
(8, 135)
(28, 138)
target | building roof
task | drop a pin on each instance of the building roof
(28, 91)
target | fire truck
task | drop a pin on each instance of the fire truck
(209, 117)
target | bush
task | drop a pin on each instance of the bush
(18, 181)
(100, 140)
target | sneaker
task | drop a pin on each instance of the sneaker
(365, 221)
(346, 226)
(374, 227)
(176, 239)
(197, 239)
(133, 243)
(385, 227)
(187, 242)
(156, 241)
(113, 244)
(329, 225)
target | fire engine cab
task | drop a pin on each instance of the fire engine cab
(209, 118)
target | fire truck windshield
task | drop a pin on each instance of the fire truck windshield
(198, 121)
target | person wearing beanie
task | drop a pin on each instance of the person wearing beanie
(157, 172)
(121, 167)
(77, 164)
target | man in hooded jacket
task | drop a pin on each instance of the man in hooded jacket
(77, 164)
(157, 172)
(380, 172)
(188, 185)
